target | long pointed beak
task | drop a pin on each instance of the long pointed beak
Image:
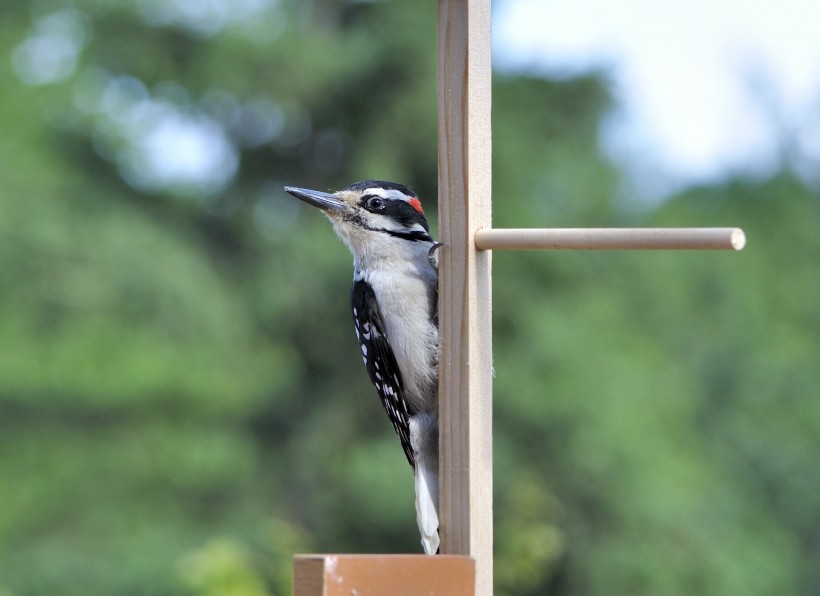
(322, 200)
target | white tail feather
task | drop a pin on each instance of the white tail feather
(427, 506)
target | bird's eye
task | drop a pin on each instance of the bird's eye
(374, 204)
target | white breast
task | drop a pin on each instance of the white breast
(405, 290)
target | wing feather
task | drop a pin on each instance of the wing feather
(381, 362)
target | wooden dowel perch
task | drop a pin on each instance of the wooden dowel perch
(610, 239)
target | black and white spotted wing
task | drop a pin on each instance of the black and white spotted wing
(381, 362)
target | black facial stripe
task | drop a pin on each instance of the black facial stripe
(401, 211)
(412, 236)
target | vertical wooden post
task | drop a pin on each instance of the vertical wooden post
(465, 317)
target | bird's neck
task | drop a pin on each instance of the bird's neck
(399, 255)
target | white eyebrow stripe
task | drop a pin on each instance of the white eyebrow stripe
(388, 193)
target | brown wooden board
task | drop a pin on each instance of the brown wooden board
(388, 575)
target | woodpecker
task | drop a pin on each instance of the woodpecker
(395, 315)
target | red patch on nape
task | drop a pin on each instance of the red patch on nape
(415, 204)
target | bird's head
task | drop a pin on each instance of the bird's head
(372, 215)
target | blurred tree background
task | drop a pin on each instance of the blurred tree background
(182, 406)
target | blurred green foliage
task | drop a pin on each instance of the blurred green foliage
(182, 406)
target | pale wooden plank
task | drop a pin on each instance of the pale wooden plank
(611, 239)
(464, 79)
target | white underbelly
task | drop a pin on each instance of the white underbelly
(405, 310)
